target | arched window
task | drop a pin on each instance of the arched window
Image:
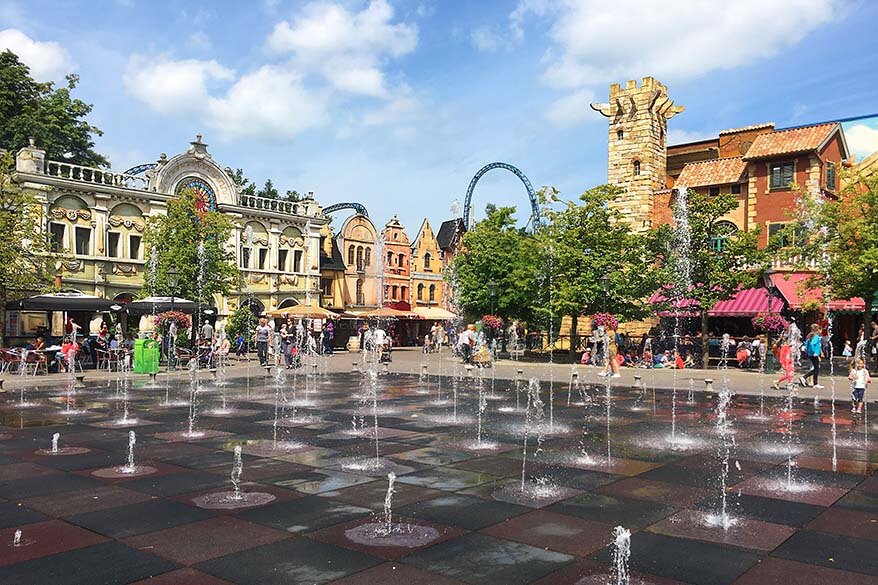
(389, 259)
(361, 299)
(368, 256)
(359, 257)
(427, 258)
(403, 293)
(386, 291)
(432, 292)
(401, 260)
(421, 292)
(395, 292)
(636, 168)
(720, 233)
(351, 254)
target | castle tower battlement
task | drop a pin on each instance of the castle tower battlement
(637, 144)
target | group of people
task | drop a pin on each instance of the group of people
(435, 339)
(290, 342)
(814, 347)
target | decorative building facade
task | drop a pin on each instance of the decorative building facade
(97, 217)
(357, 241)
(427, 269)
(396, 266)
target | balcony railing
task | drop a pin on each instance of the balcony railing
(95, 176)
(278, 205)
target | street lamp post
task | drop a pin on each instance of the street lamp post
(605, 282)
(492, 288)
(768, 283)
(173, 280)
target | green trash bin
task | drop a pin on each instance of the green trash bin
(146, 356)
(151, 355)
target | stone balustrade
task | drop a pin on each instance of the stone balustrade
(95, 176)
(277, 205)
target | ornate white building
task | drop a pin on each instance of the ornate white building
(97, 217)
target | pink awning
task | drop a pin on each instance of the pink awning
(792, 287)
(747, 303)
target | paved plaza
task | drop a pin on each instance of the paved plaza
(308, 444)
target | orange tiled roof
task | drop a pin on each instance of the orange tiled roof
(803, 139)
(720, 171)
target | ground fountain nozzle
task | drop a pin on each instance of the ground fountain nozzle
(267, 369)
(355, 366)
(80, 380)
(314, 368)
(152, 377)
(708, 384)
(212, 372)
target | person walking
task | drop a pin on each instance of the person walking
(262, 337)
(783, 351)
(814, 350)
(286, 339)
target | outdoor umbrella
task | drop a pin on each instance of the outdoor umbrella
(386, 313)
(303, 312)
(64, 301)
(150, 305)
(434, 314)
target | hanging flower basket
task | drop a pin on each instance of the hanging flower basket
(769, 322)
(163, 320)
(605, 320)
(492, 322)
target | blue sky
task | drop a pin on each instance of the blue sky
(396, 104)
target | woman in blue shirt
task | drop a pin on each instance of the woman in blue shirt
(813, 349)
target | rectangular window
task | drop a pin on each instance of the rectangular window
(326, 286)
(113, 244)
(83, 241)
(245, 257)
(735, 189)
(718, 243)
(58, 231)
(263, 256)
(776, 234)
(297, 261)
(830, 176)
(714, 191)
(282, 260)
(781, 175)
(134, 247)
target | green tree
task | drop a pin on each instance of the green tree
(269, 191)
(51, 116)
(838, 236)
(718, 261)
(242, 320)
(176, 238)
(247, 186)
(596, 263)
(495, 250)
(26, 260)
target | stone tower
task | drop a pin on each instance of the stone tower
(638, 145)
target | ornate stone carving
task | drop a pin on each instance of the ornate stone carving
(297, 242)
(70, 214)
(291, 280)
(257, 278)
(128, 222)
(124, 269)
(73, 265)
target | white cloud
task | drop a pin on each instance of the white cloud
(600, 42)
(862, 139)
(594, 42)
(173, 87)
(48, 61)
(347, 48)
(572, 109)
(269, 103)
(399, 109)
(485, 39)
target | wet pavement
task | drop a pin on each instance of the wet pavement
(308, 444)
